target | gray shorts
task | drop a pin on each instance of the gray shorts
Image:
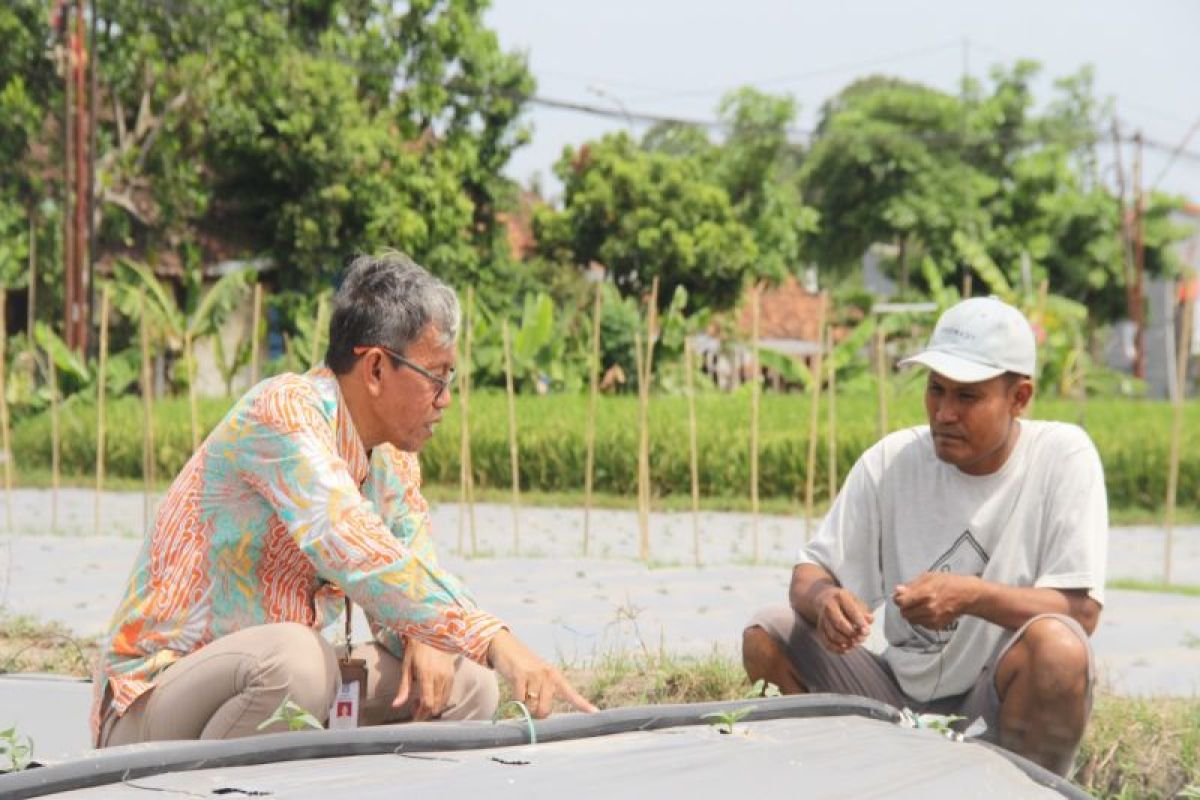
(865, 674)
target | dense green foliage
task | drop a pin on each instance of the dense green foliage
(303, 132)
(1132, 437)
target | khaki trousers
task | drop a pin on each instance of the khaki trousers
(228, 688)
(863, 673)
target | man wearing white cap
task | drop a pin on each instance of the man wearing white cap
(983, 536)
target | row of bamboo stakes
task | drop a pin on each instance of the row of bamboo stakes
(146, 387)
(644, 348)
(643, 353)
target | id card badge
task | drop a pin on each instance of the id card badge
(343, 714)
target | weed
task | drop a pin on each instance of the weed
(1141, 747)
(27, 645)
(728, 718)
(18, 754)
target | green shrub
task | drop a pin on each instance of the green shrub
(1132, 437)
(123, 436)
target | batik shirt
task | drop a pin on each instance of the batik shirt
(278, 512)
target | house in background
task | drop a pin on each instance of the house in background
(788, 324)
(1164, 320)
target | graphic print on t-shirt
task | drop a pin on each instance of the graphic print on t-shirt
(965, 557)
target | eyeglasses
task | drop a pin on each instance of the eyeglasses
(441, 385)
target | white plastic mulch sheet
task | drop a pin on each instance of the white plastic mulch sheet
(845, 757)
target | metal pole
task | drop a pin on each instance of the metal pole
(1139, 313)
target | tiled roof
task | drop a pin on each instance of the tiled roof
(787, 311)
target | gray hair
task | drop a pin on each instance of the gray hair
(388, 300)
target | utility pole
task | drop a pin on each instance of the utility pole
(1139, 229)
(1127, 259)
(93, 67)
(81, 318)
(68, 129)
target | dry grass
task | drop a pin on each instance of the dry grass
(27, 645)
(1134, 748)
(1141, 748)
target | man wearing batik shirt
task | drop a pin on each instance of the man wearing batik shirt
(305, 495)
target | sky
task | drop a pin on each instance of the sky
(677, 57)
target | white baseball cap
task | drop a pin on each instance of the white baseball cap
(978, 339)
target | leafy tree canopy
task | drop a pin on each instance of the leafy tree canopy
(645, 215)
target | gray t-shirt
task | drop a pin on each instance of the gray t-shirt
(1040, 520)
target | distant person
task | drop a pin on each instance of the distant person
(307, 493)
(983, 535)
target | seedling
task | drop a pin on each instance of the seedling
(523, 710)
(940, 723)
(294, 716)
(18, 753)
(728, 718)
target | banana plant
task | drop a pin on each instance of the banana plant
(304, 348)
(179, 325)
(539, 348)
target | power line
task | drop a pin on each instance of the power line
(1174, 155)
(802, 76)
(807, 136)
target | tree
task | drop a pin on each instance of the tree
(758, 166)
(885, 168)
(905, 164)
(645, 215)
(308, 131)
(28, 88)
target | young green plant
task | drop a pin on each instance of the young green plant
(295, 716)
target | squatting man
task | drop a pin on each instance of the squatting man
(307, 496)
(984, 538)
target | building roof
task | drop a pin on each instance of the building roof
(786, 312)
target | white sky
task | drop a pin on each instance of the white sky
(677, 57)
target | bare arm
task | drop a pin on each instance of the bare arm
(935, 599)
(842, 620)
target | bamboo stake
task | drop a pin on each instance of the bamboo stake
(881, 374)
(55, 441)
(101, 416)
(1181, 365)
(255, 324)
(831, 424)
(191, 373)
(639, 358)
(814, 412)
(647, 370)
(693, 454)
(7, 442)
(1040, 319)
(147, 414)
(755, 391)
(468, 463)
(322, 326)
(464, 447)
(590, 463)
(31, 314)
(512, 441)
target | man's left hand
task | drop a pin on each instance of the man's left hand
(431, 671)
(936, 599)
